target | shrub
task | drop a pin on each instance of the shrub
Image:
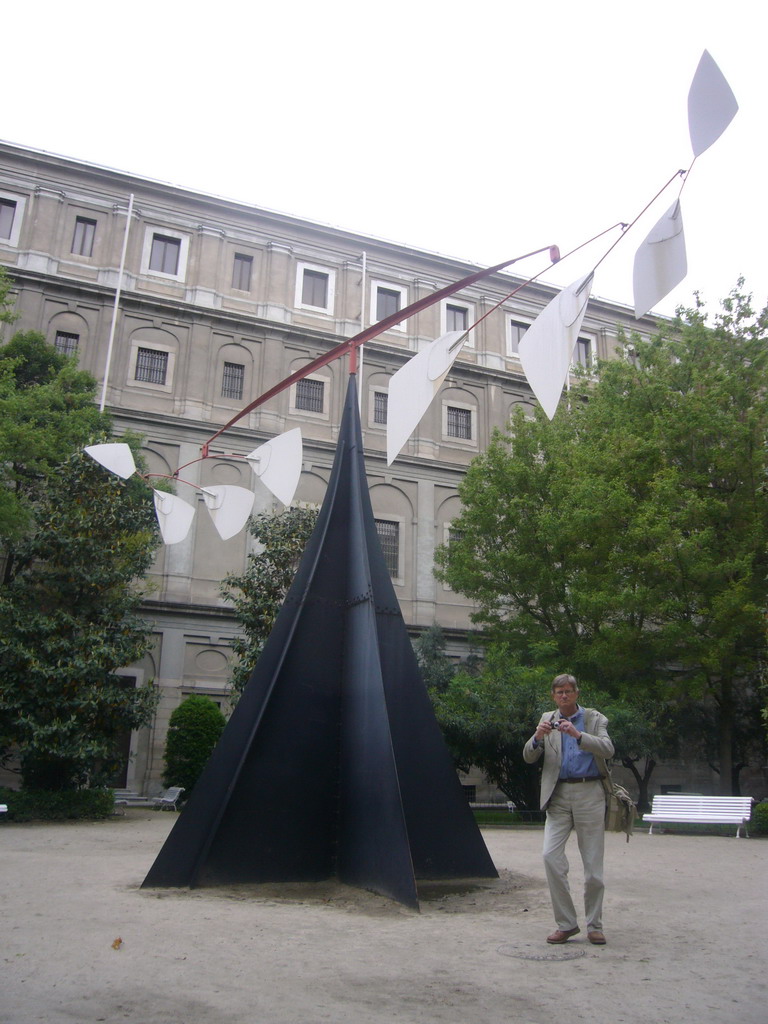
(758, 825)
(193, 732)
(58, 805)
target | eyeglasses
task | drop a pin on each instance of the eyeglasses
(564, 693)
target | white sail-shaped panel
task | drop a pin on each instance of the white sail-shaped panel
(174, 516)
(277, 463)
(413, 387)
(711, 105)
(117, 458)
(660, 262)
(547, 346)
(229, 507)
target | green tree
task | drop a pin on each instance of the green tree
(258, 594)
(7, 315)
(627, 537)
(68, 620)
(487, 717)
(193, 731)
(46, 411)
(645, 732)
(437, 669)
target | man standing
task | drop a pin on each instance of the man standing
(574, 742)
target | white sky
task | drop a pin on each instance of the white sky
(477, 130)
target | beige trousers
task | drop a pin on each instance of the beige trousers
(576, 807)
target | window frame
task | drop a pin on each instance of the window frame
(149, 236)
(321, 414)
(91, 223)
(69, 335)
(398, 522)
(512, 320)
(464, 407)
(19, 202)
(239, 261)
(590, 341)
(390, 287)
(468, 307)
(170, 366)
(375, 391)
(241, 367)
(315, 268)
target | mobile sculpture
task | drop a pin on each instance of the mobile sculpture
(332, 763)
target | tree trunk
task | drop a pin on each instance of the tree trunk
(643, 781)
(725, 736)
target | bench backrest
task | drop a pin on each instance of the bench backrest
(671, 802)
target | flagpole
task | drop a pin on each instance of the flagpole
(103, 401)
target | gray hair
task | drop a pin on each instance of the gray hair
(565, 680)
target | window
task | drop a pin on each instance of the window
(82, 240)
(455, 536)
(389, 537)
(583, 352)
(456, 318)
(11, 217)
(470, 792)
(310, 395)
(151, 366)
(314, 289)
(66, 343)
(380, 403)
(232, 380)
(387, 302)
(241, 272)
(386, 299)
(515, 331)
(164, 255)
(458, 423)
(7, 217)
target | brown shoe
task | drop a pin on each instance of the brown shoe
(596, 938)
(558, 937)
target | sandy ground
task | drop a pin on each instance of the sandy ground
(685, 920)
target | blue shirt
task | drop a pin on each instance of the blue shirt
(576, 763)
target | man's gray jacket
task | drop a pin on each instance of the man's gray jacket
(594, 739)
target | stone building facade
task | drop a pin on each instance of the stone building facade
(219, 301)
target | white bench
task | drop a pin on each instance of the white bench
(168, 799)
(709, 810)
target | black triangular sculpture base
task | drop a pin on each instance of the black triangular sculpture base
(332, 764)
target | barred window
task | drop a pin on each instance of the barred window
(66, 343)
(82, 240)
(232, 380)
(470, 792)
(164, 256)
(310, 395)
(459, 423)
(389, 537)
(314, 289)
(380, 403)
(151, 366)
(241, 272)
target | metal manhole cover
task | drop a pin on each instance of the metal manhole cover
(527, 953)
